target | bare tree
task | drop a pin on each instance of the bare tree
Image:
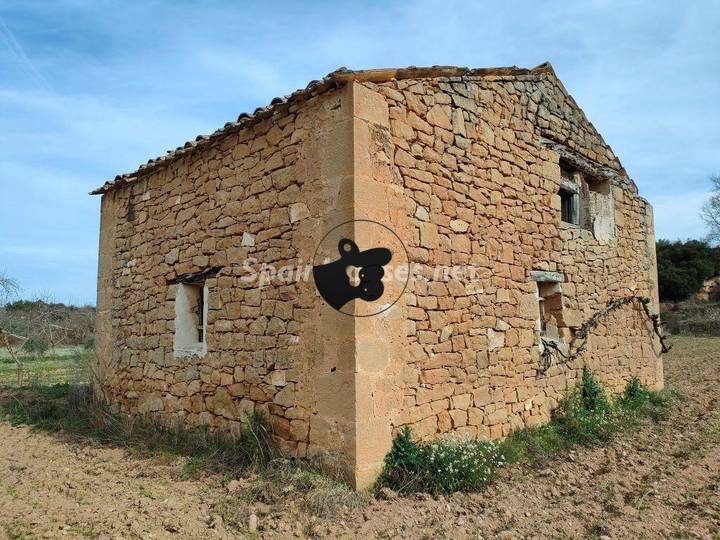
(47, 322)
(8, 288)
(12, 343)
(710, 212)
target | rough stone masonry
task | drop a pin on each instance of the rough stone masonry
(496, 168)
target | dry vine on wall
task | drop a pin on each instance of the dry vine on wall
(579, 342)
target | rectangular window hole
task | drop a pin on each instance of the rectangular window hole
(550, 302)
(190, 319)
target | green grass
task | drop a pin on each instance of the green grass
(576, 423)
(585, 417)
(65, 350)
(70, 364)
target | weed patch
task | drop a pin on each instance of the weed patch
(316, 485)
(439, 467)
(587, 416)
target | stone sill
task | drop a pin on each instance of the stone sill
(566, 225)
(198, 350)
(585, 234)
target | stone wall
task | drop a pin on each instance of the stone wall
(266, 193)
(483, 190)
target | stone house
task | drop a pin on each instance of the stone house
(497, 169)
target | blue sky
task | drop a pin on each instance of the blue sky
(89, 89)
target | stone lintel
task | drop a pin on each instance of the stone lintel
(567, 185)
(544, 276)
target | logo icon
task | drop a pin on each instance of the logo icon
(360, 282)
(333, 282)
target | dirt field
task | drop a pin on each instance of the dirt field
(661, 482)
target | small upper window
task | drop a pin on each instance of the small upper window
(586, 196)
(131, 214)
(568, 206)
(569, 195)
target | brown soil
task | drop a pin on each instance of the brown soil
(661, 482)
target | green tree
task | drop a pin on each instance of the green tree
(684, 266)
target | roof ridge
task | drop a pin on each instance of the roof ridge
(335, 79)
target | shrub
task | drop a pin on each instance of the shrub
(535, 445)
(635, 395)
(439, 467)
(585, 416)
(36, 345)
(714, 295)
(698, 319)
(577, 424)
(638, 402)
(593, 394)
(403, 461)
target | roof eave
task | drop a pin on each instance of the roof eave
(335, 79)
